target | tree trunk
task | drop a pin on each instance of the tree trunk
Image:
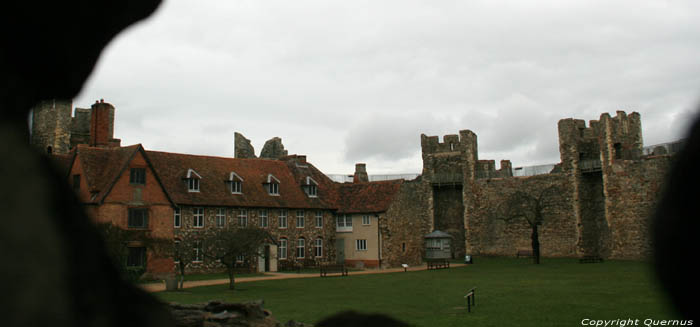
(231, 279)
(535, 244)
(182, 274)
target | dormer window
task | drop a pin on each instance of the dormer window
(236, 183)
(192, 180)
(272, 185)
(310, 187)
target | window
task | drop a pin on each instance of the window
(311, 187)
(263, 218)
(236, 183)
(361, 245)
(138, 218)
(243, 218)
(366, 220)
(319, 219)
(273, 185)
(282, 254)
(220, 217)
(343, 223)
(240, 258)
(136, 257)
(300, 247)
(318, 247)
(283, 218)
(300, 218)
(403, 247)
(138, 176)
(192, 180)
(197, 217)
(76, 182)
(176, 218)
(198, 251)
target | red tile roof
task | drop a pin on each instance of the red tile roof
(367, 197)
(102, 166)
(215, 172)
(63, 162)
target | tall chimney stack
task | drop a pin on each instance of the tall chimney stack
(360, 173)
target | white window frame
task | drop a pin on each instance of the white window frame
(263, 218)
(177, 218)
(366, 220)
(282, 218)
(319, 219)
(343, 223)
(221, 217)
(282, 252)
(236, 183)
(318, 248)
(198, 217)
(243, 217)
(311, 187)
(192, 181)
(273, 187)
(198, 251)
(361, 245)
(300, 223)
(301, 248)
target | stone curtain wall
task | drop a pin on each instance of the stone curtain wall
(406, 221)
(631, 190)
(488, 234)
(449, 215)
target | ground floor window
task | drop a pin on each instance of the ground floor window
(301, 243)
(136, 257)
(318, 248)
(283, 249)
(361, 245)
(198, 255)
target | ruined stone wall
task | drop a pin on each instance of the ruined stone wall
(488, 234)
(80, 127)
(632, 190)
(242, 148)
(51, 126)
(595, 232)
(448, 209)
(405, 223)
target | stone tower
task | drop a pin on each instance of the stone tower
(51, 120)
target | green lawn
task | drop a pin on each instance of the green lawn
(559, 292)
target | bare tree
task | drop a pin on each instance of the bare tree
(117, 241)
(187, 249)
(226, 244)
(530, 206)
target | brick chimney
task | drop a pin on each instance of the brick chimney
(360, 173)
(102, 124)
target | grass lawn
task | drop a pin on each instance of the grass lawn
(510, 292)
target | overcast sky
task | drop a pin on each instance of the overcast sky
(359, 81)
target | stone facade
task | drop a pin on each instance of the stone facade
(55, 131)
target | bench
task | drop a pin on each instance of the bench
(437, 263)
(333, 268)
(590, 259)
(524, 254)
(471, 295)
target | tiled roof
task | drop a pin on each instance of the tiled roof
(214, 190)
(102, 166)
(367, 197)
(63, 162)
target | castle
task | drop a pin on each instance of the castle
(605, 188)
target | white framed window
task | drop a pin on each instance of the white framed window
(236, 183)
(311, 187)
(198, 217)
(198, 251)
(366, 220)
(319, 219)
(263, 218)
(193, 180)
(301, 244)
(361, 245)
(240, 258)
(243, 217)
(176, 218)
(273, 185)
(318, 247)
(220, 217)
(283, 218)
(282, 250)
(343, 223)
(300, 218)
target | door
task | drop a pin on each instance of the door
(267, 258)
(340, 250)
